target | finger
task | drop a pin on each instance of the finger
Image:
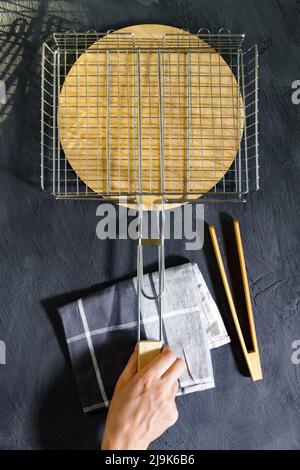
(174, 371)
(161, 363)
(130, 369)
(174, 388)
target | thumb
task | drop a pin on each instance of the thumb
(129, 371)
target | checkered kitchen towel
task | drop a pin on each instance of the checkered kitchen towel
(101, 332)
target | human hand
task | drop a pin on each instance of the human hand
(143, 405)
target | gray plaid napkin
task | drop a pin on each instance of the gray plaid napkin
(101, 331)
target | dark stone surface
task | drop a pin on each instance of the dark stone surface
(49, 251)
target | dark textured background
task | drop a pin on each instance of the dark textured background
(49, 253)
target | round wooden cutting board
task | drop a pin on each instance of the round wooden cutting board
(195, 121)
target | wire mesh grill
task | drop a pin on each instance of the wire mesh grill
(139, 117)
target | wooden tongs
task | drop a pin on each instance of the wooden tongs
(252, 357)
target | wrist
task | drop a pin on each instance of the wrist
(121, 441)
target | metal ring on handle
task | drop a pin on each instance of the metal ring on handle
(161, 258)
(161, 267)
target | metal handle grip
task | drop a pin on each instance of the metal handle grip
(159, 243)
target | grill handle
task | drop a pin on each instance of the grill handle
(148, 349)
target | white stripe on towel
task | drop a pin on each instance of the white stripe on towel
(132, 324)
(96, 406)
(92, 352)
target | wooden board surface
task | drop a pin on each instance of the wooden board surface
(199, 109)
